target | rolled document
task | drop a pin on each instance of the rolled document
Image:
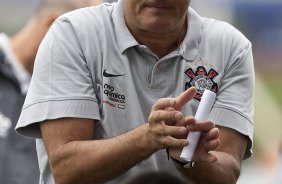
(202, 114)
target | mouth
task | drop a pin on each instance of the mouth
(158, 6)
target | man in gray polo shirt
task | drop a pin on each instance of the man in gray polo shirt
(113, 87)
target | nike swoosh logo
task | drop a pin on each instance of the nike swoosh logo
(106, 74)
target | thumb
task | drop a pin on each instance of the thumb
(185, 97)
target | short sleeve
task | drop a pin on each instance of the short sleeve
(234, 104)
(61, 84)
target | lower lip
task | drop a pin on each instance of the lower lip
(157, 9)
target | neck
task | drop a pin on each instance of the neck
(26, 42)
(163, 43)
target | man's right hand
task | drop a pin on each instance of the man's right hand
(167, 125)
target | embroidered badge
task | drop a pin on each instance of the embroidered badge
(201, 80)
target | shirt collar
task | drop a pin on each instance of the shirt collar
(189, 46)
(124, 38)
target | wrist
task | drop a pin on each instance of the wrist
(180, 162)
(147, 141)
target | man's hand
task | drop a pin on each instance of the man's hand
(209, 141)
(169, 128)
(167, 125)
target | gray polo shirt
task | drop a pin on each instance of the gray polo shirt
(90, 66)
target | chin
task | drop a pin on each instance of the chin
(158, 26)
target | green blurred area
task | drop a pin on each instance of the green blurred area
(274, 86)
(261, 23)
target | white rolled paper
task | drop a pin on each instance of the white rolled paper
(202, 114)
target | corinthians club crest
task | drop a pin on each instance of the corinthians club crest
(201, 80)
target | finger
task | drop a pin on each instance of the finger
(205, 157)
(163, 103)
(201, 126)
(173, 142)
(209, 158)
(186, 121)
(167, 116)
(164, 130)
(212, 145)
(175, 131)
(184, 97)
(212, 134)
(170, 109)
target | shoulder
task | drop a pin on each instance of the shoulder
(220, 32)
(88, 16)
(89, 24)
(224, 30)
(101, 10)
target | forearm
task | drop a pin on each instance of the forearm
(103, 159)
(75, 158)
(225, 170)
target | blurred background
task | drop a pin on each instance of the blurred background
(260, 21)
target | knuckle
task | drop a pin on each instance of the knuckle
(151, 118)
(170, 114)
(212, 123)
(155, 116)
(154, 107)
(163, 129)
(160, 101)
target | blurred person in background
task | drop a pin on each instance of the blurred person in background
(18, 161)
(278, 179)
(110, 86)
(262, 168)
